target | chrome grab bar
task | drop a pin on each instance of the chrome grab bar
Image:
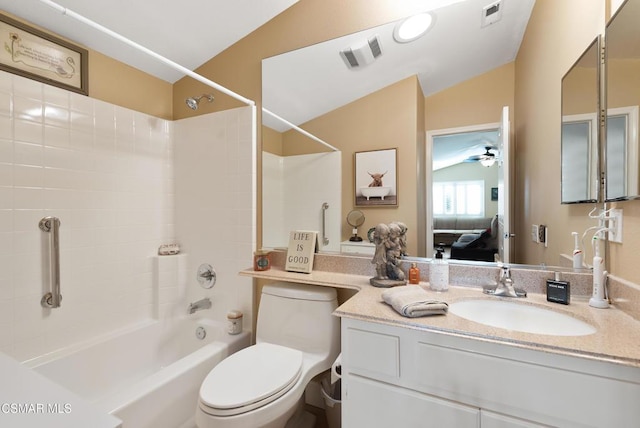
(325, 239)
(52, 298)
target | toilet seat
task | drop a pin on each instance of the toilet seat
(249, 379)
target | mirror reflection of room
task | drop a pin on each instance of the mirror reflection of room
(465, 194)
(384, 104)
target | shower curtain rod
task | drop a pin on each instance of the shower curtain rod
(159, 57)
(300, 130)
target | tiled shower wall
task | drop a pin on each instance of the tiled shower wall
(107, 173)
(215, 180)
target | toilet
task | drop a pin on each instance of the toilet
(297, 338)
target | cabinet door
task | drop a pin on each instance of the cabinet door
(495, 420)
(372, 404)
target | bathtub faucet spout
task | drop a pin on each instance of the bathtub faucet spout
(199, 305)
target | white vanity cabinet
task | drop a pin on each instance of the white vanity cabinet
(402, 376)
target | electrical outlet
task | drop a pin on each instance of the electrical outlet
(615, 225)
(542, 234)
(535, 233)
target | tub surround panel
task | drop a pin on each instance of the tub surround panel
(170, 281)
(215, 211)
(107, 173)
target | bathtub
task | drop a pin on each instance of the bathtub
(148, 375)
(375, 192)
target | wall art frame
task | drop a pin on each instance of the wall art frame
(376, 178)
(34, 54)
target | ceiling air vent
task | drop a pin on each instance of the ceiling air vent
(362, 54)
(491, 13)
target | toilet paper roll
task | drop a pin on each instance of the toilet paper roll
(336, 369)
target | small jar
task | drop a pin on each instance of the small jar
(261, 260)
(234, 322)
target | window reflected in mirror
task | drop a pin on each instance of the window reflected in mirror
(579, 137)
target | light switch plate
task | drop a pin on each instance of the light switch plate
(615, 223)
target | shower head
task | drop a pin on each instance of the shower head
(192, 102)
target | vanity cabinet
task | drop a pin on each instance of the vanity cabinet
(402, 376)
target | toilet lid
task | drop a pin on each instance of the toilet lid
(250, 378)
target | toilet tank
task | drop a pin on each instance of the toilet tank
(299, 316)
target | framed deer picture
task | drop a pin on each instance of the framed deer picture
(376, 178)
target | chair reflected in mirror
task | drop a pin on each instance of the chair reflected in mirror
(477, 246)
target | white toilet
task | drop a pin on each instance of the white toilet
(297, 337)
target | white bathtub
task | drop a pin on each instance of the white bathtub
(148, 375)
(375, 192)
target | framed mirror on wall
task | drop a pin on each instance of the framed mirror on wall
(622, 65)
(580, 128)
(381, 105)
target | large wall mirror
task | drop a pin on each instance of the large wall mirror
(580, 128)
(622, 99)
(394, 109)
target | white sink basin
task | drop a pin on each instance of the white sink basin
(520, 317)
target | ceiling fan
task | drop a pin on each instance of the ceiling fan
(486, 159)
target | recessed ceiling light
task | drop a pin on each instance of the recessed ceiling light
(412, 27)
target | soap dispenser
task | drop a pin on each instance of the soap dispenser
(439, 272)
(414, 274)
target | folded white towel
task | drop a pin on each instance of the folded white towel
(412, 301)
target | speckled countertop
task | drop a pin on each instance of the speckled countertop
(616, 340)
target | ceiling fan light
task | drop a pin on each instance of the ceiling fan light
(412, 28)
(487, 161)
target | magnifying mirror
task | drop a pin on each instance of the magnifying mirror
(355, 218)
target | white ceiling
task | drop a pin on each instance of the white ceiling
(188, 32)
(306, 83)
(456, 148)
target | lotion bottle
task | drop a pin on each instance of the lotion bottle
(414, 274)
(439, 272)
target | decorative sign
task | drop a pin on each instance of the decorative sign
(302, 246)
(36, 55)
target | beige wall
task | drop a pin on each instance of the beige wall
(272, 141)
(557, 34)
(125, 86)
(476, 101)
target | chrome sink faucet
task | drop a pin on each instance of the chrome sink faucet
(199, 305)
(505, 287)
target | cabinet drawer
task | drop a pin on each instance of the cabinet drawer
(374, 404)
(374, 355)
(529, 391)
